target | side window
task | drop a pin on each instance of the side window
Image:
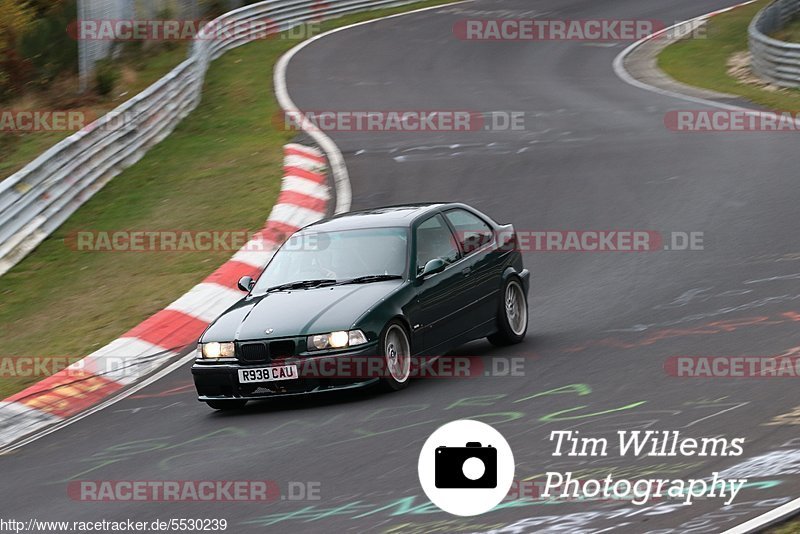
(435, 240)
(471, 231)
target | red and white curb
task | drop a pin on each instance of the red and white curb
(158, 340)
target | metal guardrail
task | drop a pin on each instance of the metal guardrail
(35, 201)
(774, 60)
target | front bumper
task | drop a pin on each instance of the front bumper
(219, 380)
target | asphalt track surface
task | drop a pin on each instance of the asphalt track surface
(594, 155)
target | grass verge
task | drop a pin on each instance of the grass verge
(793, 527)
(704, 62)
(219, 170)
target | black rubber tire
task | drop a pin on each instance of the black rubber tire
(387, 381)
(227, 405)
(505, 335)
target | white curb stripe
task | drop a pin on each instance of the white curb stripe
(124, 360)
(204, 300)
(294, 216)
(17, 420)
(770, 518)
(304, 163)
(298, 184)
(257, 257)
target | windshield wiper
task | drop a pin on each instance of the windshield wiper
(302, 284)
(370, 278)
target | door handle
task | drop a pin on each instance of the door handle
(467, 271)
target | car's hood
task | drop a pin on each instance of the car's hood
(298, 312)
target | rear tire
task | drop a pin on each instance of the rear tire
(395, 347)
(512, 314)
(227, 405)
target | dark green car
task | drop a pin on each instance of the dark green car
(356, 299)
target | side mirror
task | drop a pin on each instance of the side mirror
(246, 284)
(434, 266)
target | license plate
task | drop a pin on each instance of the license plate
(268, 374)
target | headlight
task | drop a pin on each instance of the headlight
(336, 340)
(215, 350)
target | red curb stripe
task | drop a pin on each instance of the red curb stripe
(302, 200)
(277, 232)
(66, 393)
(170, 329)
(292, 151)
(303, 173)
(231, 272)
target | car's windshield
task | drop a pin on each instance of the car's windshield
(341, 255)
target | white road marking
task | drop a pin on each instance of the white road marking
(341, 178)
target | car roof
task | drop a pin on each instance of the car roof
(386, 216)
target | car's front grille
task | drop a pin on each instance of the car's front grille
(282, 349)
(266, 351)
(254, 352)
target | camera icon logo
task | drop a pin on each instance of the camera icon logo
(472, 466)
(466, 467)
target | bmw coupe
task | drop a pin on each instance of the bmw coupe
(390, 284)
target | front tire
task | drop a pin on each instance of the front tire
(512, 315)
(395, 347)
(227, 405)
